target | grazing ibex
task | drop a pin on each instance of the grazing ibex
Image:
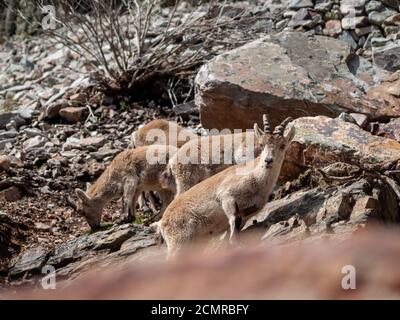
(130, 173)
(225, 199)
(163, 132)
(201, 158)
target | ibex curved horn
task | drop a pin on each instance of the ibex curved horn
(279, 130)
(267, 128)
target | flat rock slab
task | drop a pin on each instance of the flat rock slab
(289, 74)
(30, 261)
(322, 140)
(109, 240)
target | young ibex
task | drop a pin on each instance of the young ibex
(161, 132)
(225, 199)
(130, 173)
(201, 158)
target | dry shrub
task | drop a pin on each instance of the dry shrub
(128, 46)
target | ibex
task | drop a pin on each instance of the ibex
(161, 132)
(201, 158)
(130, 173)
(228, 198)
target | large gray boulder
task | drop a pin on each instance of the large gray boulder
(289, 74)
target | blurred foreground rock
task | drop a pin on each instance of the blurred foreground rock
(302, 271)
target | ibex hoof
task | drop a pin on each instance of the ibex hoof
(124, 220)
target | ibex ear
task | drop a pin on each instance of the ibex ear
(258, 132)
(81, 195)
(291, 132)
(88, 185)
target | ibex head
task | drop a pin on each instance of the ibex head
(274, 143)
(87, 207)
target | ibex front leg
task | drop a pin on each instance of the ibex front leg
(129, 202)
(235, 220)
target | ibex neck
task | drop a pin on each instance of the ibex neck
(102, 189)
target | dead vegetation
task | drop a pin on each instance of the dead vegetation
(130, 49)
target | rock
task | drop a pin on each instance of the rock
(11, 194)
(388, 89)
(388, 56)
(56, 57)
(27, 112)
(333, 28)
(96, 142)
(5, 163)
(7, 144)
(299, 4)
(302, 203)
(353, 22)
(352, 7)
(392, 3)
(380, 42)
(338, 208)
(52, 110)
(104, 153)
(319, 212)
(363, 31)
(348, 38)
(393, 20)
(98, 243)
(8, 134)
(323, 5)
(394, 89)
(186, 109)
(360, 119)
(78, 98)
(70, 144)
(378, 17)
(7, 117)
(33, 132)
(363, 206)
(33, 143)
(115, 240)
(390, 130)
(341, 169)
(42, 226)
(393, 33)
(31, 261)
(299, 18)
(321, 140)
(374, 5)
(333, 134)
(288, 74)
(72, 114)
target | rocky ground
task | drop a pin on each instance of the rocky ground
(331, 65)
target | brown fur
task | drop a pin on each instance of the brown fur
(216, 204)
(129, 174)
(141, 137)
(186, 175)
(170, 129)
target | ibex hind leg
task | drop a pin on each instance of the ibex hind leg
(129, 200)
(235, 220)
(142, 202)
